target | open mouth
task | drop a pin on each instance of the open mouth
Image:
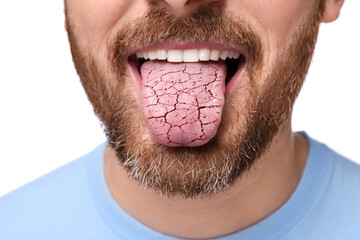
(183, 91)
(234, 61)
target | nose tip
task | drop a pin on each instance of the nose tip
(177, 4)
(181, 7)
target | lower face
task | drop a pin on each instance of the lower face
(189, 103)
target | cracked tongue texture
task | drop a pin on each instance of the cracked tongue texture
(183, 102)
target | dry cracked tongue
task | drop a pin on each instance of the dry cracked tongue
(183, 102)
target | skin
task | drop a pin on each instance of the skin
(273, 177)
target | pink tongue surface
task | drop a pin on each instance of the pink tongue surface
(183, 102)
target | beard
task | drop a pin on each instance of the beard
(251, 117)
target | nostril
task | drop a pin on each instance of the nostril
(183, 7)
(173, 5)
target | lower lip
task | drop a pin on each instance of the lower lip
(234, 82)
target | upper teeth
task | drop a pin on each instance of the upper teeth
(188, 55)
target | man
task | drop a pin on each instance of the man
(196, 100)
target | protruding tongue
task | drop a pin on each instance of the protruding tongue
(183, 102)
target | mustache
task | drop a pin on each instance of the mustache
(206, 24)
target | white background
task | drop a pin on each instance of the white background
(46, 120)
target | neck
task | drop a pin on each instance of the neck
(258, 193)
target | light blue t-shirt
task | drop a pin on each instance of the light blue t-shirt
(73, 203)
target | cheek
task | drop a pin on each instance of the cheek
(278, 17)
(275, 21)
(92, 18)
